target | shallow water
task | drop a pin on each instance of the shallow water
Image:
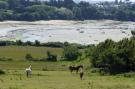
(83, 32)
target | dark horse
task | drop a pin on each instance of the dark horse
(75, 68)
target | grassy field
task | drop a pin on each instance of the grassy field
(16, 79)
(19, 52)
(53, 75)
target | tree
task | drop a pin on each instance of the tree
(69, 4)
(13, 4)
(7, 14)
(41, 12)
(78, 13)
(19, 42)
(28, 57)
(116, 57)
(70, 52)
(3, 5)
(116, 2)
(64, 13)
(37, 43)
(28, 43)
(51, 57)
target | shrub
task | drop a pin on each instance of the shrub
(9, 59)
(70, 52)
(28, 57)
(129, 75)
(6, 59)
(51, 57)
(2, 72)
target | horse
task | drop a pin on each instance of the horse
(75, 68)
(81, 73)
(28, 71)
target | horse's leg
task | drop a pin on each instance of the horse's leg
(27, 74)
(77, 70)
(71, 70)
(30, 74)
(81, 75)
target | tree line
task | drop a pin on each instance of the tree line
(70, 50)
(38, 44)
(30, 10)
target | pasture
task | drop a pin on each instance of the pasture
(53, 75)
(16, 79)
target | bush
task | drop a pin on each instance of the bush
(2, 72)
(95, 70)
(28, 57)
(70, 52)
(9, 59)
(128, 75)
(51, 57)
(6, 59)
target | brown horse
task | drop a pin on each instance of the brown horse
(75, 68)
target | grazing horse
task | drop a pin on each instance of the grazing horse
(75, 68)
(28, 71)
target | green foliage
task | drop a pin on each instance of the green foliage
(114, 57)
(3, 5)
(19, 42)
(28, 57)
(31, 10)
(2, 72)
(37, 43)
(129, 75)
(64, 13)
(6, 59)
(51, 57)
(70, 52)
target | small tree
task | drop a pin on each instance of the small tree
(51, 57)
(28, 43)
(28, 57)
(19, 42)
(70, 52)
(2, 72)
(37, 43)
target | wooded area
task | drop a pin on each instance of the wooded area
(65, 10)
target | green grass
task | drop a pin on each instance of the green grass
(19, 52)
(62, 80)
(57, 76)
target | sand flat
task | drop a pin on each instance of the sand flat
(82, 32)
